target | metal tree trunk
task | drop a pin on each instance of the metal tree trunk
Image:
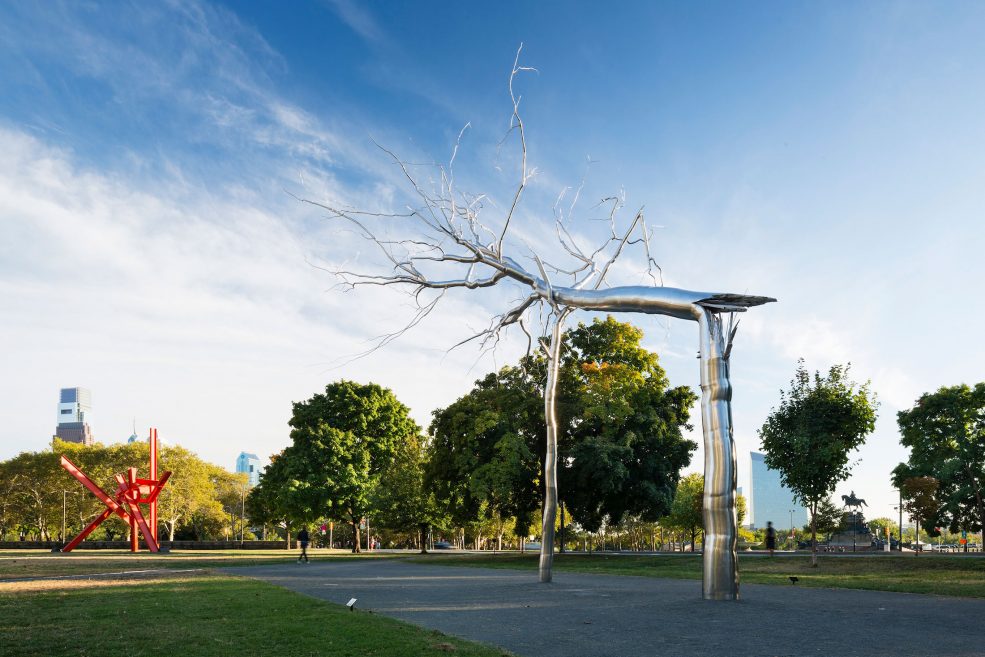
(720, 575)
(550, 460)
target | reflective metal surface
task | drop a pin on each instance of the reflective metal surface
(550, 460)
(720, 575)
(720, 580)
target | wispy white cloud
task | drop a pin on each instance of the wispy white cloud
(359, 19)
(200, 295)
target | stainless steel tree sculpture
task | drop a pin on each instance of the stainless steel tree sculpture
(447, 235)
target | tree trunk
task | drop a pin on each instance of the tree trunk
(355, 536)
(423, 529)
(550, 459)
(814, 535)
(720, 571)
(981, 517)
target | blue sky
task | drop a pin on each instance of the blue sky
(827, 154)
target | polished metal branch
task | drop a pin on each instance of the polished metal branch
(457, 239)
(720, 577)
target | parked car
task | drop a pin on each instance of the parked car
(531, 546)
(443, 545)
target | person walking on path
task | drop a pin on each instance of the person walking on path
(303, 539)
(770, 537)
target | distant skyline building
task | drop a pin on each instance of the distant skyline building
(74, 416)
(249, 464)
(769, 500)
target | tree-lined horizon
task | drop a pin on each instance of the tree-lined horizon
(475, 476)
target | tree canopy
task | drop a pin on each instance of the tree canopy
(487, 449)
(945, 432)
(621, 446)
(341, 441)
(33, 487)
(809, 439)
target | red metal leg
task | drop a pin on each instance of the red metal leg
(88, 530)
(96, 490)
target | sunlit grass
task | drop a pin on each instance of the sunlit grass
(954, 575)
(200, 615)
(16, 564)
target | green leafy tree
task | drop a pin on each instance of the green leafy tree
(342, 441)
(945, 432)
(230, 491)
(189, 489)
(487, 448)
(685, 512)
(272, 501)
(263, 506)
(35, 503)
(623, 445)
(827, 517)
(920, 501)
(821, 420)
(878, 527)
(402, 501)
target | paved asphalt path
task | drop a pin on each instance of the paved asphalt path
(601, 615)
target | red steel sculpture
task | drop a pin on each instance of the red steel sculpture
(131, 492)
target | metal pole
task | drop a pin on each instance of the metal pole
(242, 516)
(901, 519)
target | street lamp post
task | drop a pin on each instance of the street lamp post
(900, 509)
(64, 494)
(242, 517)
(791, 528)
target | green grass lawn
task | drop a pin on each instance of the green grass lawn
(939, 574)
(16, 564)
(200, 615)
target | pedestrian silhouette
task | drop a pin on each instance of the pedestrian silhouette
(303, 539)
(770, 537)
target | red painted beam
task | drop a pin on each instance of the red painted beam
(88, 530)
(157, 490)
(96, 490)
(136, 517)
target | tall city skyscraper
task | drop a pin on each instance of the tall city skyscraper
(769, 500)
(250, 464)
(74, 414)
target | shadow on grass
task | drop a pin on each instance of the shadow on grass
(203, 616)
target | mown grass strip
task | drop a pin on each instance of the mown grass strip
(201, 616)
(23, 564)
(956, 575)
